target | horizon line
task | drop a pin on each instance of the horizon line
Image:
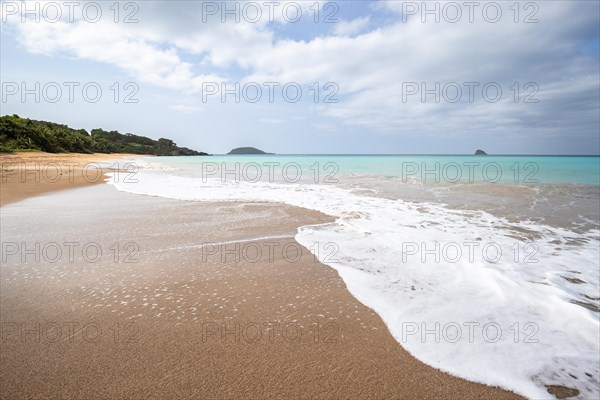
(410, 154)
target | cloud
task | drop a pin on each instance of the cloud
(174, 48)
(372, 68)
(350, 28)
(106, 42)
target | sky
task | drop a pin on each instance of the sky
(313, 77)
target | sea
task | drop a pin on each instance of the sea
(487, 267)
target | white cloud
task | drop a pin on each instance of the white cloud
(173, 48)
(350, 28)
(109, 43)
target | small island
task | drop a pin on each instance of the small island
(480, 153)
(247, 150)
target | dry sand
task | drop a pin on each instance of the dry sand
(184, 320)
(29, 174)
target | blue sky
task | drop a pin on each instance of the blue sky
(378, 56)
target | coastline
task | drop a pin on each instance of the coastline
(201, 339)
(28, 174)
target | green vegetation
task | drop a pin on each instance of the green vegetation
(247, 150)
(24, 134)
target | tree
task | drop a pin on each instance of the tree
(165, 147)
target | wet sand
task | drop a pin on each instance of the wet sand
(165, 312)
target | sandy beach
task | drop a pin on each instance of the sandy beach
(32, 173)
(137, 297)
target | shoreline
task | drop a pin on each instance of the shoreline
(29, 174)
(214, 355)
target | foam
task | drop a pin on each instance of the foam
(369, 232)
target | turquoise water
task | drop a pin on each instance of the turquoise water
(582, 170)
(559, 190)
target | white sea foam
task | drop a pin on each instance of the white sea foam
(515, 324)
(145, 164)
